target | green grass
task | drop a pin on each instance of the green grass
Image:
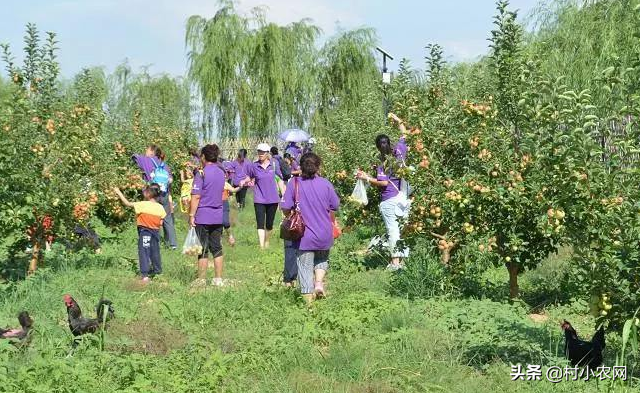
(256, 336)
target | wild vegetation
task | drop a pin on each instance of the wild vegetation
(525, 212)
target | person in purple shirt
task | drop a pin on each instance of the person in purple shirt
(206, 213)
(318, 202)
(227, 166)
(295, 151)
(290, 272)
(401, 149)
(293, 164)
(147, 162)
(308, 147)
(392, 201)
(237, 168)
(266, 194)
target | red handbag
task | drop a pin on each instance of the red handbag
(292, 227)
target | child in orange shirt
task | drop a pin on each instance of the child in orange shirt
(149, 216)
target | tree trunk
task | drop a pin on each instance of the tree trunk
(513, 280)
(35, 255)
(445, 256)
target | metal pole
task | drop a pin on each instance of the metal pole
(385, 101)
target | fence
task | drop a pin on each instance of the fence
(230, 147)
(613, 146)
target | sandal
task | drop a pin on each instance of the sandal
(319, 290)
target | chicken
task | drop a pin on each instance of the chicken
(80, 325)
(583, 353)
(19, 333)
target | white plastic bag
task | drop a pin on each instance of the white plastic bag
(192, 245)
(359, 194)
(406, 187)
(403, 203)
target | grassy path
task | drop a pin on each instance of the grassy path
(255, 336)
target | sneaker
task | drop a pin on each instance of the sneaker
(199, 282)
(217, 282)
(174, 248)
(146, 280)
(319, 290)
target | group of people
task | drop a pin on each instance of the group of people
(289, 182)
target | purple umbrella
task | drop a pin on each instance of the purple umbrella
(294, 135)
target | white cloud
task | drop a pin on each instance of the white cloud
(468, 49)
(169, 16)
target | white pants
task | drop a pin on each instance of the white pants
(389, 209)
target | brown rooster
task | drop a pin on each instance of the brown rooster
(80, 325)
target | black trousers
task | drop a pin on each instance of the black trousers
(265, 215)
(241, 196)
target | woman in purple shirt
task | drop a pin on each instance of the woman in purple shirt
(148, 162)
(206, 213)
(266, 193)
(317, 201)
(392, 201)
(238, 170)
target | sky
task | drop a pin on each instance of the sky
(151, 32)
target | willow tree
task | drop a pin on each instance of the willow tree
(348, 68)
(252, 75)
(579, 39)
(152, 100)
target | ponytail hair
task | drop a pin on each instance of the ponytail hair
(157, 151)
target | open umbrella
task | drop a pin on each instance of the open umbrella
(294, 135)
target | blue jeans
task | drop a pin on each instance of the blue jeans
(168, 225)
(226, 212)
(290, 272)
(149, 251)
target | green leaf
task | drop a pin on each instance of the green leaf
(626, 334)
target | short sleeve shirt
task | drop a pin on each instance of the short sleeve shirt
(317, 199)
(392, 188)
(209, 184)
(149, 214)
(266, 188)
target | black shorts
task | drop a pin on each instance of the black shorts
(265, 215)
(210, 237)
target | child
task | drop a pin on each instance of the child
(226, 166)
(186, 176)
(226, 211)
(149, 216)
